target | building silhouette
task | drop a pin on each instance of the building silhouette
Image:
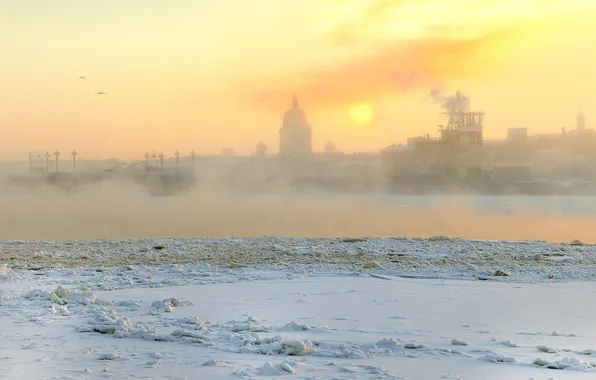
(580, 123)
(260, 150)
(295, 136)
(330, 148)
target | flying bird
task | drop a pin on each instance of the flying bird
(81, 77)
(100, 93)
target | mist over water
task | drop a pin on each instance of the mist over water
(117, 210)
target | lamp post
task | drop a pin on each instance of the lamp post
(74, 160)
(47, 155)
(177, 159)
(57, 154)
(30, 162)
(154, 156)
(192, 155)
(147, 157)
(161, 156)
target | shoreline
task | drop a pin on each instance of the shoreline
(438, 257)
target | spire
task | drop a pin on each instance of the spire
(581, 120)
(295, 101)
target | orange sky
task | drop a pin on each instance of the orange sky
(215, 74)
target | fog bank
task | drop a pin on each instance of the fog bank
(123, 210)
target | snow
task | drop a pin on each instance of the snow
(187, 261)
(306, 308)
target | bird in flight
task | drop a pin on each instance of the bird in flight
(100, 93)
(82, 77)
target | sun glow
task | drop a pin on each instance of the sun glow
(361, 114)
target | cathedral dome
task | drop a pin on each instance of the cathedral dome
(295, 133)
(295, 116)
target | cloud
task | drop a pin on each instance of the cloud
(393, 68)
(387, 47)
(355, 29)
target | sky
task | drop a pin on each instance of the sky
(208, 75)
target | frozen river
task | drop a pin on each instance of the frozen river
(263, 324)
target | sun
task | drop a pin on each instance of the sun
(361, 114)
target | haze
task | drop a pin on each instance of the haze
(123, 211)
(215, 74)
(236, 200)
(378, 168)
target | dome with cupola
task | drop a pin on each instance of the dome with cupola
(295, 132)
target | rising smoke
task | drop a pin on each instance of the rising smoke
(438, 96)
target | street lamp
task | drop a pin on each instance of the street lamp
(147, 157)
(57, 154)
(33, 157)
(74, 160)
(47, 155)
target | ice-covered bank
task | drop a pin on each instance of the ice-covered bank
(439, 257)
(310, 308)
(196, 321)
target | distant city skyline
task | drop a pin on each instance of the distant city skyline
(215, 74)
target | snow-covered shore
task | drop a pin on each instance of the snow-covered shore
(250, 323)
(313, 308)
